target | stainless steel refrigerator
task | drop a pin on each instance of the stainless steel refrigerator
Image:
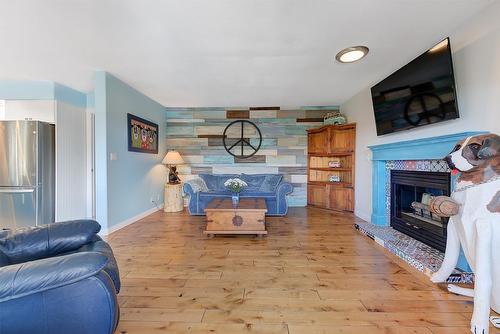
(27, 174)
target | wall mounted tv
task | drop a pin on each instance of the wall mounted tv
(420, 93)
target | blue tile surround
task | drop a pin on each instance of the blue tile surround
(434, 148)
(422, 154)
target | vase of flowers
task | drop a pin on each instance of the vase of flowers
(235, 186)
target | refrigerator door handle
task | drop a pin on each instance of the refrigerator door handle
(16, 191)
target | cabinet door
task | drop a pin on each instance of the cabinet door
(318, 142)
(317, 195)
(342, 140)
(340, 198)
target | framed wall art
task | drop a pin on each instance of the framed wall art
(142, 135)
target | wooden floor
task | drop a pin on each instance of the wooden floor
(312, 274)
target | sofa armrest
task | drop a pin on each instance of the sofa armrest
(187, 188)
(194, 186)
(39, 242)
(102, 247)
(284, 188)
(28, 278)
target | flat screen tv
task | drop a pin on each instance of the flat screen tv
(420, 93)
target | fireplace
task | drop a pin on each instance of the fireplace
(410, 192)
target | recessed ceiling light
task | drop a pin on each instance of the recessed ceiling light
(352, 54)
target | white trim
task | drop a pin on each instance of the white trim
(114, 228)
(362, 215)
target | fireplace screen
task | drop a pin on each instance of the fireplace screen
(410, 214)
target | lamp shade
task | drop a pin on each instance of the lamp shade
(172, 158)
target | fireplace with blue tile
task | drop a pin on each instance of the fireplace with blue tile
(404, 176)
(410, 193)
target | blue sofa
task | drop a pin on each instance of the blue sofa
(271, 187)
(58, 279)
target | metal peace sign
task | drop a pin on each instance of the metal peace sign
(243, 141)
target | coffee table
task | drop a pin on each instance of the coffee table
(248, 217)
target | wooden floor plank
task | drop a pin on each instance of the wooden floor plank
(131, 327)
(313, 274)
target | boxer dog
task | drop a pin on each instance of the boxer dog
(476, 226)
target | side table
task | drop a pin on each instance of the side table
(173, 201)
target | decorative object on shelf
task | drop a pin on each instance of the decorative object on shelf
(142, 135)
(235, 186)
(334, 178)
(335, 118)
(335, 163)
(238, 144)
(172, 159)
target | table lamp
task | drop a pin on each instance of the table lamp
(172, 159)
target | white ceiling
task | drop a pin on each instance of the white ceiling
(222, 52)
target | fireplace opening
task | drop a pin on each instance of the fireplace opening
(410, 194)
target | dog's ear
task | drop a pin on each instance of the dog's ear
(490, 147)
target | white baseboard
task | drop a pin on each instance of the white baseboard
(363, 215)
(131, 220)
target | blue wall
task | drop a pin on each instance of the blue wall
(125, 186)
(41, 90)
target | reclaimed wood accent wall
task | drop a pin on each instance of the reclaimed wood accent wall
(196, 133)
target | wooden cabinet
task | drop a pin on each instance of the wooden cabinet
(316, 195)
(342, 139)
(340, 198)
(317, 142)
(330, 167)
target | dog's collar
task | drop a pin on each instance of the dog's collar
(494, 178)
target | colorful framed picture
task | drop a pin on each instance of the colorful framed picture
(142, 135)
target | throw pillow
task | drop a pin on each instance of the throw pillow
(198, 185)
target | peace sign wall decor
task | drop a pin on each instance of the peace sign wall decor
(237, 148)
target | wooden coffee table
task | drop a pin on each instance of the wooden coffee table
(248, 217)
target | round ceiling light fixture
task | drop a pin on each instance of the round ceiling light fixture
(352, 54)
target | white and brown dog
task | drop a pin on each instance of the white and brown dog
(476, 227)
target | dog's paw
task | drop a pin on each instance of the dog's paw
(495, 321)
(479, 326)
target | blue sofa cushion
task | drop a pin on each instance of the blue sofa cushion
(215, 193)
(34, 243)
(271, 182)
(223, 178)
(215, 182)
(254, 181)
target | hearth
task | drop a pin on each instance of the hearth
(410, 193)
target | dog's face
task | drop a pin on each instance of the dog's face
(473, 152)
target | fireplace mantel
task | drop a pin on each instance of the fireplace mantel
(420, 149)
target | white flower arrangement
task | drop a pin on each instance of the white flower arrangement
(235, 185)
